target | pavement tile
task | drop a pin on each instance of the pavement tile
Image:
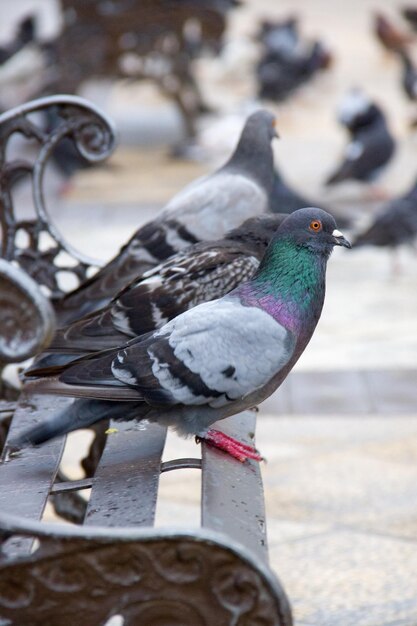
(342, 516)
(332, 392)
(332, 472)
(393, 391)
(349, 579)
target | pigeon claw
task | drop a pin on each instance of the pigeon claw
(235, 448)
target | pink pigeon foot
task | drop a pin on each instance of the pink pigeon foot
(235, 448)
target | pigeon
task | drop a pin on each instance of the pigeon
(280, 37)
(204, 211)
(278, 76)
(287, 61)
(200, 273)
(371, 146)
(284, 199)
(23, 73)
(214, 360)
(388, 35)
(410, 14)
(409, 76)
(394, 225)
(25, 34)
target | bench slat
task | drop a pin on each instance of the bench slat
(234, 506)
(125, 485)
(27, 477)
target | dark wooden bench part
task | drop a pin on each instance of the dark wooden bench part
(139, 39)
(115, 562)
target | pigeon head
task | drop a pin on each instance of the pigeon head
(261, 122)
(313, 229)
(320, 58)
(354, 104)
(280, 38)
(253, 155)
(357, 112)
(290, 281)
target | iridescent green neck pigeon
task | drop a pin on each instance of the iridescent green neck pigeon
(214, 360)
(204, 271)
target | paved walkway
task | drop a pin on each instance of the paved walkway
(351, 392)
(341, 496)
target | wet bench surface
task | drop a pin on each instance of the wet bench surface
(123, 498)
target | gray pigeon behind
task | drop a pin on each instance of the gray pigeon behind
(286, 199)
(205, 210)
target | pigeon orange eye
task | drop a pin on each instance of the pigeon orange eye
(315, 225)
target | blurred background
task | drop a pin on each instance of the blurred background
(341, 435)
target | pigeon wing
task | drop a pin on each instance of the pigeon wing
(187, 279)
(181, 283)
(151, 244)
(213, 354)
(217, 203)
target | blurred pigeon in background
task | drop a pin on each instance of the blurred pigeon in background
(389, 36)
(278, 75)
(395, 224)
(216, 359)
(25, 34)
(280, 37)
(410, 14)
(409, 76)
(371, 144)
(205, 210)
(200, 273)
(285, 199)
(23, 66)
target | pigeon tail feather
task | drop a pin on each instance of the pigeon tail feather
(80, 414)
(51, 363)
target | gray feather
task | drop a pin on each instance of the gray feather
(80, 414)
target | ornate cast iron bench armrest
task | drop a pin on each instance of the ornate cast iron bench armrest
(147, 576)
(94, 137)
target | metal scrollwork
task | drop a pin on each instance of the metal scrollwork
(93, 135)
(180, 563)
(87, 575)
(27, 319)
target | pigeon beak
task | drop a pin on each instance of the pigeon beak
(340, 240)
